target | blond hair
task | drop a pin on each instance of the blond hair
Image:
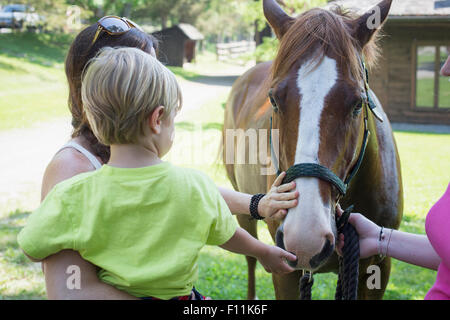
(121, 87)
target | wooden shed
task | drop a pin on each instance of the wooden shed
(178, 44)
(415, 46)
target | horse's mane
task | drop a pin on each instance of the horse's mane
(325, 31)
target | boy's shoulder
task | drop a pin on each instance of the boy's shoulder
(74, 182)
(193, 175)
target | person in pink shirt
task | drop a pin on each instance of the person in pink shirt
(429, 251)
(445, 71)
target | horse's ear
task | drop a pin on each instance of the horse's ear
(279, 20)
(371, 21)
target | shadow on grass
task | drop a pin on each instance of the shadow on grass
(226, 81)
(10, 67)
(42, 49)
(183, 73)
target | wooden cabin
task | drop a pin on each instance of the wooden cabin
(415, 45)
(178, 44)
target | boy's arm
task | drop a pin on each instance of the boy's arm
(272, 258)
(273, 205)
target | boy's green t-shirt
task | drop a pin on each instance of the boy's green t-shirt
(143, 227)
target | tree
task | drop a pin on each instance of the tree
(223, 20)
(159, 10)
(254, 12)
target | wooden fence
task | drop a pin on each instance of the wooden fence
(232, 50)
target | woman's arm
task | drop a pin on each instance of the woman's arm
(413, 248)
(58, 281)
(274, 204)
(65, 165)
(407, 247)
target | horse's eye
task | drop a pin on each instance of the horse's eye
(272, 101)
(358, 107)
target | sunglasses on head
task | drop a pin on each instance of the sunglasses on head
(114, 25)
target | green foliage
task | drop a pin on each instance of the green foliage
(253, 11)
(224, 20)
(267, 50)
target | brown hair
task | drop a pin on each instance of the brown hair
(80, 52)
(327, 30)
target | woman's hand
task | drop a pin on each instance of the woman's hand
(368, 234)
(275, 203)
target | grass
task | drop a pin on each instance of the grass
(32, 81)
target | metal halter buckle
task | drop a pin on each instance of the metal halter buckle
(310, 275)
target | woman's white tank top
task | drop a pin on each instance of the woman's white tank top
(97, 165)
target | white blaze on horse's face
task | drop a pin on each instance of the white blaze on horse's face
(308, 226)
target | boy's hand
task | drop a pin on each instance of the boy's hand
(275, 203)
(274, 260)
(368, 234)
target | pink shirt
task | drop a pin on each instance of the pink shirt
(437, 226)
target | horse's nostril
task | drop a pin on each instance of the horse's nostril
(292, 264)
(326, 252)
(279, 238)
(330, 237)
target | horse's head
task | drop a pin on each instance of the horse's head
(318, 92)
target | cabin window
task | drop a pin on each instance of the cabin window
(432, 89)
(444, 82)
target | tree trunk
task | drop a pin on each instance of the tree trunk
(259, 35)
(126, 11)
(164, 21)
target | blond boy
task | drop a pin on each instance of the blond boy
(141, 220)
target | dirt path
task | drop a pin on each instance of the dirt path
(25, 153)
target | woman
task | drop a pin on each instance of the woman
(445, 71)
(430, 251)
(84, 153)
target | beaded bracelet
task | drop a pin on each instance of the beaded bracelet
(254, 202)
(380, 242)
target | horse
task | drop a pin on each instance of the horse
(317, 85)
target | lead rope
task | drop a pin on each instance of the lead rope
(347, 284)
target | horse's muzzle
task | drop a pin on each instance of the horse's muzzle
(316, 261)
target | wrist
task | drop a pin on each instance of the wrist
(254, 207)
(373, 247)
(383, 241)
(261, 250)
